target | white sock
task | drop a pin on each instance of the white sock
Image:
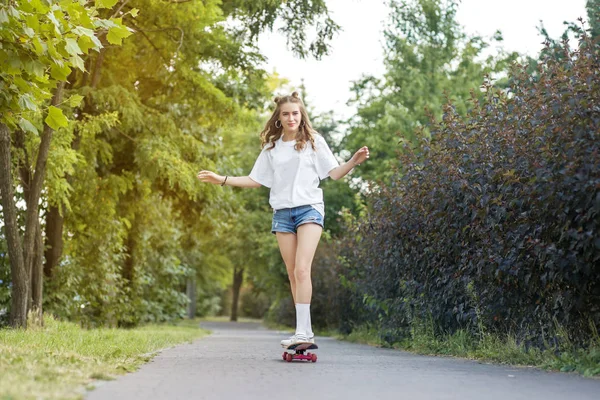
(302, 317)
(309, 330)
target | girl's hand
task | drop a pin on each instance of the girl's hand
(360, 156)
(210, 177)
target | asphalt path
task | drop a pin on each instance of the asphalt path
(244, 361)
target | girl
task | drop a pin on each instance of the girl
(293, 160)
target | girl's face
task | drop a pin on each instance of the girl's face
(290, 117)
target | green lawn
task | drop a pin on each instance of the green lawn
(61, 359)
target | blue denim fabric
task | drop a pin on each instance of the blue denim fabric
(289, 219)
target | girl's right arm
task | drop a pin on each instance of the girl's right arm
(239, 181)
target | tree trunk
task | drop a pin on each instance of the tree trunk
(21, 253)
(54, 240)
(55, 221)
(238, 279)
(18, 311)
(98, 68)
(192, 295)
(36, 186)
(37, 278)
(30, 270)
(128, 271)
(26, 177)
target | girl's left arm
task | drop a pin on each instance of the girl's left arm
(358, 158)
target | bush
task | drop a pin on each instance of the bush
(253, 304)
(494, 224)
(282, 312)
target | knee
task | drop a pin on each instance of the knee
(302, 273)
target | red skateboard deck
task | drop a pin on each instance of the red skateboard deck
(300, 352)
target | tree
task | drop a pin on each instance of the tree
(297, 17)
(156, 110)
(40, 45)
(428, 57)
(593, 12)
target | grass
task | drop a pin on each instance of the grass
(61, 360)
(488, 347)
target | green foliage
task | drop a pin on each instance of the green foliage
(593, 11)
(343, 195)
(41, 43)
(254, 304)
(427, 57)
(297, 17)
(493, 226)
(138, 122)
(209, 301)
(172, 101)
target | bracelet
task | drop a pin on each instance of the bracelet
(223, 184)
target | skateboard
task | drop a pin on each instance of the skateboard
(299, 352)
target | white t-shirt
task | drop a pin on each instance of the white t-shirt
(292, 175)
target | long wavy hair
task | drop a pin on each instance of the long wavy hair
(271, 133)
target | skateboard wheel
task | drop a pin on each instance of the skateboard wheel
(313, 357)
(288, 357)
(284, 355)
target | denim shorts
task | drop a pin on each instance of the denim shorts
(289, 219)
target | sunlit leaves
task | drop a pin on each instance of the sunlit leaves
(153, 115)
(86, 36)
(3, 16)
(57, 25)
(26, 103)
(117, 34)
(56, 118)
(106, 3)
(41, 45)
(27, 126)
(75, 100)
(77, 62)
(59, 72)
(72, 47)
(38, 46)
(14, 12)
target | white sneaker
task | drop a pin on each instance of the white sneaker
(297, 338)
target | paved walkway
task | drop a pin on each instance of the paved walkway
(243, 361)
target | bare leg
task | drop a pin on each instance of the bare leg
(298, 252)
(308, 239)
(287, 246)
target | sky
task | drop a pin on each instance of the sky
(358, 49)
